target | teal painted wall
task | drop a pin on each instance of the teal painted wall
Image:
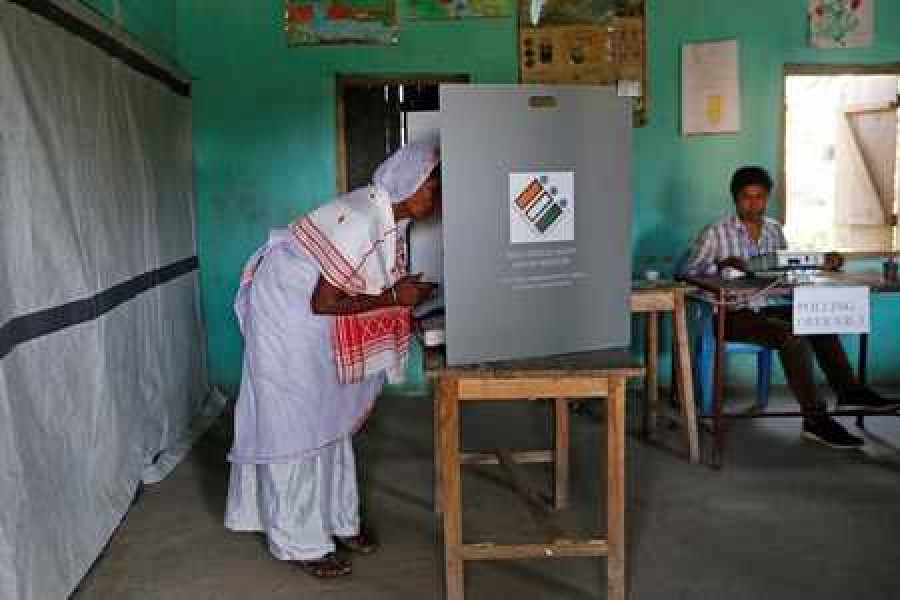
(265, 119)
(681, 183)
(153, 23)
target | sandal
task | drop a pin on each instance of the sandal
(327, 567)
(361, 543)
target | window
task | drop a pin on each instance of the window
(840, 155)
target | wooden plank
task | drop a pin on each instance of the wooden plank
(651, 362)
(881, 179)
(534, 502)
(559, 549)
(521, 457)
(842, 69)
(890, 107)
(491, 388)
(719, 383)
(438, 457)
(865, 153)
(615, 501)
(341, 138)
(682, 363)
(452, 489)
(561, 454)
(594, 363)
(652, 300)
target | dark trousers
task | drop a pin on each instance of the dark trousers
(772, 328)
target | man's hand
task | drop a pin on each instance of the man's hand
(735, 262)
(411, 291)
(833, 261)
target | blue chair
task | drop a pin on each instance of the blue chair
(705, 359)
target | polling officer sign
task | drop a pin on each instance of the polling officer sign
(831, 309)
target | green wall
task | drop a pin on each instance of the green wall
(264, 126)
(264, 118)
(152, 22)
(681, 183)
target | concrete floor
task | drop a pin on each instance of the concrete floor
(784, 519)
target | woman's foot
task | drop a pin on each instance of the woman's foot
(327, 567)
(361, 543)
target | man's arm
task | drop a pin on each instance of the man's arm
(704, 257)
(701, 257)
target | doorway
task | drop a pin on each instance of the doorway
(373, 116)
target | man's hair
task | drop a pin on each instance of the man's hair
(749, 176)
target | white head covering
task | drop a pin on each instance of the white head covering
(348, 235)
(406, 169)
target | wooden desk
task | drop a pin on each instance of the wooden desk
(583, 376)
(651, 299)
(722, 292)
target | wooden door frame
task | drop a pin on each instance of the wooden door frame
(342, 81)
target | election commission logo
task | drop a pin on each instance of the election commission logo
(541, 207)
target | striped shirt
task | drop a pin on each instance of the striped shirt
(729, 237)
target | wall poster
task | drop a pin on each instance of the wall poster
(841, 23)
(315, 22)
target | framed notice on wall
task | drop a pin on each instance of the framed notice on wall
(592, 43)
(710, 93)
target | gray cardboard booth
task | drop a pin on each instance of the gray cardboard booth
(535, 220)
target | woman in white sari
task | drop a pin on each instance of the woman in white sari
(324, 308)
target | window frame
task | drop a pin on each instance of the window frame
(824, 70)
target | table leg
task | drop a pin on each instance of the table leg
(719, 384)
(561, 453)
(684, 377)
(452, 488)
(438, 456)
(861, 370)
(615, 482)
(651, 363)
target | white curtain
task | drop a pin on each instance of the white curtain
(101, 343)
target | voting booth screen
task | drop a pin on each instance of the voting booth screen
(535, 220)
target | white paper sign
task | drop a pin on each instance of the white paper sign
(841, 23)
(831, 309)
(710, 95)
(541, 207)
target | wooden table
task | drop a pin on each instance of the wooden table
(582, 376)
(651, 299)
(721, 293)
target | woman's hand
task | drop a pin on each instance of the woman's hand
(330, 300)
(411, 291)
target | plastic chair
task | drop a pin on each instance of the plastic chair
(705, 359)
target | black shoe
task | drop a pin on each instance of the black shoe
(831, 433)
(863, 397)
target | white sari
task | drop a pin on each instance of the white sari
(293, 475)
(291, 402)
